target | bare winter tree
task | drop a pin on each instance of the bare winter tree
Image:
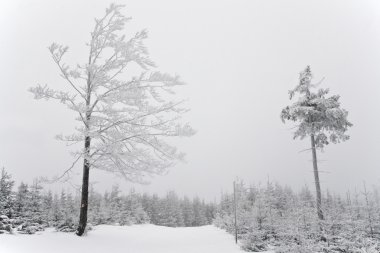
(319, 117)
(125, 116)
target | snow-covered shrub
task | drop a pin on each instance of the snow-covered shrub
(66, 226)
(254, 241)
(4, 218)
(295, 248)
(224, 221)
(30, 228)
(6, 224)
(275, 216)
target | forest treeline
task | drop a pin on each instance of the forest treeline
(271, 216)
(32, 206)
(268, 216)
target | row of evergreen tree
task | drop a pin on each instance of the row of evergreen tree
(31, 203)
(273, 215)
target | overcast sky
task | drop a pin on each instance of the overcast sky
(239, 59)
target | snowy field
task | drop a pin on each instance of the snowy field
(126, 239)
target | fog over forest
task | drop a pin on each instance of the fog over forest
(239, 59)
(173, 126)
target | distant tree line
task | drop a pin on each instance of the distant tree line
(272, 215)
(31, 204)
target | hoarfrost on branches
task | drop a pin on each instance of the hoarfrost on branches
(319, 117)
(127, 120)
(316, 114)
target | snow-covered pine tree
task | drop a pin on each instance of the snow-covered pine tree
(138, 212)
(132, 211)
(156, 210)
(199, 212)
(124, 121)
(66, 206)
(36, 202)
(47, 207)
(6, 196)
(210, 212)
(260, 211)
(96, 209)
(147, 205)
(318, 117)
(57, 212)
(224, 213)
(187, 212)
(101, 216)
(172, 215)
(243, 208)
(369, 208)
(22, 201)
(270, 201)
(114, 205)
(70, 210)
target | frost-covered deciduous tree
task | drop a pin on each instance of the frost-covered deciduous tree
(126, 109)
(319, 117)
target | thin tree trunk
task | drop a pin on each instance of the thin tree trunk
(86, 164)
(85, 182)
(316, 179)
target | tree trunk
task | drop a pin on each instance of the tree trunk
(316, 179)
(85, 182)
(86, 164)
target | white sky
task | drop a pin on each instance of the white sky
(239, 59)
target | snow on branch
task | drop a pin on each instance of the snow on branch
(317, 114)
(126, 121)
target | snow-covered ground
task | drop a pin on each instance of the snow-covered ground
(126, 239)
